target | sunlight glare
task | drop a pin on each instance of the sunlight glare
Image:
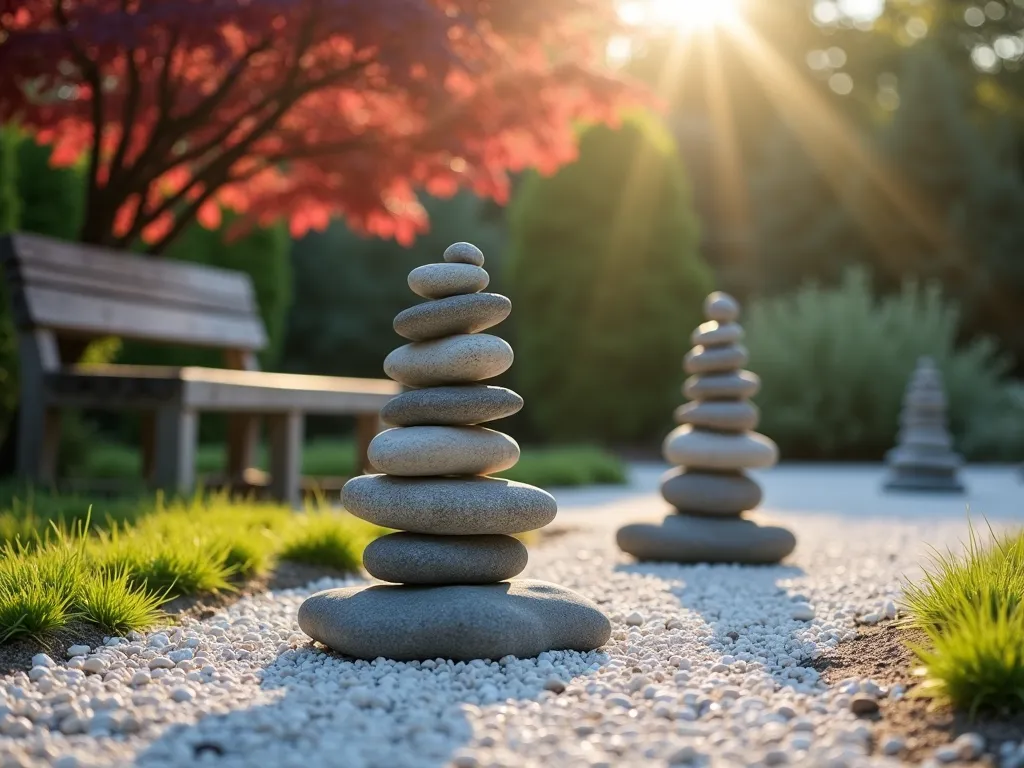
(683, 15)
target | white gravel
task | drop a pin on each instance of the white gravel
(706, 667)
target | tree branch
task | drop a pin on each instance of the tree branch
(131, 107)
(94, 228)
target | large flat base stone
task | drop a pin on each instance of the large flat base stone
(932, 482)
(520, 618)
(687, 539)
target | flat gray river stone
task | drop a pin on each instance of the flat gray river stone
(713, 334)
(453, 506)
(471, 404)
(415, 558)
(438, 281)
(461, 359)
(689, 539)
(719, 386)
(464, 253)
(710, 493)
(425, 451)
(688, 447)
(721, 307)
(730, 357)
(521, 618)
(456, 314)
(726, 415)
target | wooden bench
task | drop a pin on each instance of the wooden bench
(65, 294)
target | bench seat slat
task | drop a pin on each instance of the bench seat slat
(217, 390)
(90, 316)
(212, 284)
(100, 287)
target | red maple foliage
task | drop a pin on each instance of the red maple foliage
(299, 108)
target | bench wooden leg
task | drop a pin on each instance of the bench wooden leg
(38, 440)
(243, 438)
(286, 436)
(177, 433)
(368, 425)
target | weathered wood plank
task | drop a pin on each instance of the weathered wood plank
(101, 287)
(69, 312)
(122, 268)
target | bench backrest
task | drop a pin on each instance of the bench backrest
(83, 291)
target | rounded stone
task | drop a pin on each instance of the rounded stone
(472, 404)
(716, 359)
(413, 558)
(521, 618)
(464, 253)
(700, 449)
(710, 493)
(916, 479)
(690, 539)
(454, 315)
(427, 451)
(439, 281)
(461, 359)
(721, 307)
(721, 386)
(449, 506)
(726, 415)
(713, 334)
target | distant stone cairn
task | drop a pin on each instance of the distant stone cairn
(456, 544)
(712, 448)
(924, 459)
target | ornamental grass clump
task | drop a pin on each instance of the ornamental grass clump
(969, 608)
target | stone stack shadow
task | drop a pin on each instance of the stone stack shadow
(711, 449)
(923, 459)
(456, 544)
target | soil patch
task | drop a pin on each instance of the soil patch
(17, 654)
(881, 653)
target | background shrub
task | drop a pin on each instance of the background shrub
(9, 218)
(835, 363)
(607, 283)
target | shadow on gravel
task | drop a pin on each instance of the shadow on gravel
(349, 714)
(746, 609)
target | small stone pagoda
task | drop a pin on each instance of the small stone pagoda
(451, 562)
(711, 449)
(923, 459)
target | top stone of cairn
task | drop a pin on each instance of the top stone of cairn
(721, 307)
(464, 253)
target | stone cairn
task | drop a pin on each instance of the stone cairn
(923, 459)
(456, 545)
(711, 449)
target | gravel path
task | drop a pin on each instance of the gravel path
(707, 666)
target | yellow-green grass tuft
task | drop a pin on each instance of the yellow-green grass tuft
(969, 608)
(114, 602)
(117, 570)
(320, 538)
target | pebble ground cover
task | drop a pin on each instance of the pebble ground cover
(707, 666)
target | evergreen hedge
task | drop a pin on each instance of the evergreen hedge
(607, 284)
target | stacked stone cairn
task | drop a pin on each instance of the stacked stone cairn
(451, 562)
(923, 459)
(712, 449)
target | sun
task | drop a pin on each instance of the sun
(687, 16)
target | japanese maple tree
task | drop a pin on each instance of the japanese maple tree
(305, 109)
